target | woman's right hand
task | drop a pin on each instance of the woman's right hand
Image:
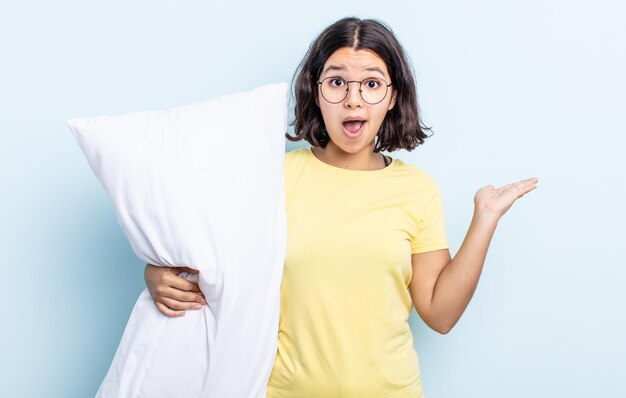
(172, 293)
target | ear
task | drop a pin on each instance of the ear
(392, 103)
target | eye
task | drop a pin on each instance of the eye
(336, 82)
(372, 84)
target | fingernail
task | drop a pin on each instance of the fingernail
(203, 301)
(197, 306)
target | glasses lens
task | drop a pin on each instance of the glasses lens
(373, 90)
(334, 89)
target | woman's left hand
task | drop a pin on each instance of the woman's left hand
(498, 200)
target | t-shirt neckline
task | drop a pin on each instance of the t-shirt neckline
(340, 170)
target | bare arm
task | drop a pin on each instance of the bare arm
(441, 287)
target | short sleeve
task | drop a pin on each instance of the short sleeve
(430, 224)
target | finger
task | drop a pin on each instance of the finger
(180, 283)
(188, 270)
(520, 188)
(527, 182)
(525, 186)
(178, 270)
(504, 187)
(167, 311)
(532, 180)
(180, 305)
(180, 295)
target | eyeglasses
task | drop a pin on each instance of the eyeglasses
(335, 89)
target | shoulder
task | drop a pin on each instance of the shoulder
(296, 154)
(295, 159)
(415, 177)
(294, 166)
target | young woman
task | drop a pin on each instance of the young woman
(366, 237)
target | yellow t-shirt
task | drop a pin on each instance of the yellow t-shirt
(345, 306)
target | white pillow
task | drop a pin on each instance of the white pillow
(199, 186)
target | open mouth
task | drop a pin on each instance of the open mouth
(353, 128)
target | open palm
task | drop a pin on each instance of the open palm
(499, 200)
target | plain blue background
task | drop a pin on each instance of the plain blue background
(512, 88)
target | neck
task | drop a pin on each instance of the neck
(363, 160)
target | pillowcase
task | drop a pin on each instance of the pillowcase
(200, 186)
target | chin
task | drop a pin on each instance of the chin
(356, 147)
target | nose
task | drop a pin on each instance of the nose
(354, 99)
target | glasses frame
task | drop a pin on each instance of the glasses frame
(319, 82)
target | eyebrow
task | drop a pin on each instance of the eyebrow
(343, 68)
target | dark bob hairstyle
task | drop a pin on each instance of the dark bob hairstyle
(402, 127)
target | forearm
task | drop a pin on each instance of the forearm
(457, 281)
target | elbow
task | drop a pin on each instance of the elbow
(442, 328)
(440, 323)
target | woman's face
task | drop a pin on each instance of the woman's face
(352, 124)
